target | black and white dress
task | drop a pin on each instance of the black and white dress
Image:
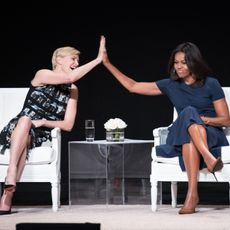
(47, 102)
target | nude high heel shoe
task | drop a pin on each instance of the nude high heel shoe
(189, 210)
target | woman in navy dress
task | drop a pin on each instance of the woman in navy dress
(202, 112)
(51, 102)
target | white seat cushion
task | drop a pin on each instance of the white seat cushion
(38, 155)
(225, 156)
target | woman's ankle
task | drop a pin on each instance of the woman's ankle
(11, 176)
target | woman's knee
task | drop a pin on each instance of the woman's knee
(197, 127)
(24, 122)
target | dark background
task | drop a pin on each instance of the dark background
(139, 42)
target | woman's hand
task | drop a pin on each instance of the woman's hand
(205, 119)
(105, 58)
(101, 49)
(39, 123)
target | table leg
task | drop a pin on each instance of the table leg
(106, 151)
(123, 175)
(108, 177)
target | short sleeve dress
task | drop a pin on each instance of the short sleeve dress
(49, 102)
(191, 102)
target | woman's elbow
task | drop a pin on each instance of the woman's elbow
(67, 127)
(133, 89)
(227, 123)
(73, 78)
(70, 79)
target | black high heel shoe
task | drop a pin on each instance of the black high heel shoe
(216, 167)
(5, 212)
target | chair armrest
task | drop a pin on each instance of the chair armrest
(55, 132)
(160, 135)
(56, 144)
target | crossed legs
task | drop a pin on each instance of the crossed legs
(191, 156)
(18, 151)
(199, 138)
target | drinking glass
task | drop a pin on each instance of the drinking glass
(89, 130)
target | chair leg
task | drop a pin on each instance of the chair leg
(229, 193)
(143, 186)
(159, 192)
(59, 195)
(154, 195)
(55, 195)
(174, 193)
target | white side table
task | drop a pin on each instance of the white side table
(100, 151)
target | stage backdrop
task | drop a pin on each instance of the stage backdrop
(139, 42)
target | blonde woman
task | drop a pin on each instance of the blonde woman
(51, 102)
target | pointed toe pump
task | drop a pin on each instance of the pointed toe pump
(190, 210)
(218, 165)
(5, 212)
(6, 202)
(187, 211)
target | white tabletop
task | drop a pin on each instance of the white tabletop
(105, 142)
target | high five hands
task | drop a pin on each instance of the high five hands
(102, 49)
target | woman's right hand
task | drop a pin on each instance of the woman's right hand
(101, 49)
(105, 58)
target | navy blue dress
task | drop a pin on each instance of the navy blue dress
(191, 102)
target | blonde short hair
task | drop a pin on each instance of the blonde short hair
(62, 52)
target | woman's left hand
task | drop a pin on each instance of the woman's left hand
(38, 123)
(204, 119)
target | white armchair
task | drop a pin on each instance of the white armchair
(168, 169)
(43, 164)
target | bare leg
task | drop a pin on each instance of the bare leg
(7, 196)
(19, 142)
(191, 159)
(21, 164)
(199, 138)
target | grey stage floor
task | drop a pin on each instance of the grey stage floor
(122, 217)
(88, 205)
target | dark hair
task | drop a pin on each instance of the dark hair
(194, 60)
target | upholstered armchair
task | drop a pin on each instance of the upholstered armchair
(168, 169)
(43, 164)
